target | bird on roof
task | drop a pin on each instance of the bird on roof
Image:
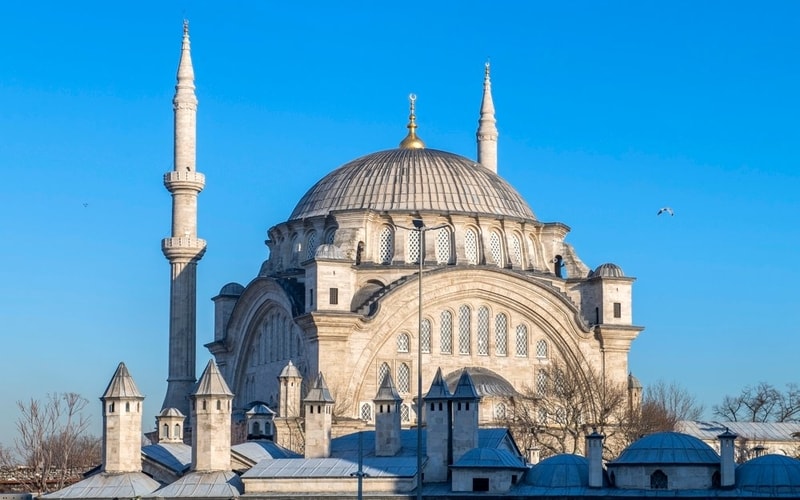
(666, 210)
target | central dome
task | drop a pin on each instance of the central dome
(413, 180)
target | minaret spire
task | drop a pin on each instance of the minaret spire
(487, 126)
(183, 249)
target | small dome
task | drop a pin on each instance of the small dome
(485, 381)
(608, 270)
(328, 251)
(633, 382)
(667, 448)
(489, 458)
(171, 412)
(290, 371)
(232, 289)
(560, 471)
(773, 474)
(260, 409)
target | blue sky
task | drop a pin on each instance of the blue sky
(607, 111)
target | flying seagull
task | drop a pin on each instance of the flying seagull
(666, 210)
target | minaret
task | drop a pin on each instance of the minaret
(184, 249)
(211, 415)
(487, 127)
(122, 424)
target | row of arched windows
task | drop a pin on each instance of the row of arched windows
(277, 340)
(487, 333)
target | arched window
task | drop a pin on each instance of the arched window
(405, 413)
(499, 411)
(522, 340)
(366, 412)
(178, 433)
(516, 251)
(296, 247)
(329, 235)
(382, 371)
(496, 248)
(446, 340)
(541, 416)
(471, 246)
(165, 431)
(402, 342)
(464, 329)
(425, 336)
(413, 247)
(501, 335)
(311, 245)
(561, 416)
(483, 331)
(541, 383)
(443, 246)
(659, 480)
(256, 429)
(127, 406)
(560, 383)
(403, 378)
(386, 245)
(541, 349)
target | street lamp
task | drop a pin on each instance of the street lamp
(419, 227)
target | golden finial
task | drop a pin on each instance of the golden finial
(412, 141)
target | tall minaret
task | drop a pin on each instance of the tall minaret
(487, 127)
(184, 249)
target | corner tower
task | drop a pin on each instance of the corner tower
(183, 249)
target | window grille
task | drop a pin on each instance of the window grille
(617, 310)
(483, 331)
(541, 416)
(443, 246)
(561, 416)
(446, 341)
(403, 378)
(413, 246)
(334, 296)
(522, 340)
(501, 334)
(464, 330)
(425, 336)
(559, 383)
(311, 245)
(541, 384)
(405, 413)
(329, 236)
(402, 342)
(382, 371)
(516, 250)
(366, 412)
(471, 246)
(386, 245)
(499, 411)
(496, 248)
(541, 349)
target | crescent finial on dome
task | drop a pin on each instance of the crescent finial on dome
(412, 141)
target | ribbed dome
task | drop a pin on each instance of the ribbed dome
(769, 474)
(608, 270)
(411, 180)
(668, 448)
(560, 471)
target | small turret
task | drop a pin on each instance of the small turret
(170, 424)
(437, 421)
(122, 424)
(259, 422)
(319, 414)
(727, 466)
(465, 402)
(211, 415)
(387, 418)
(594, 453)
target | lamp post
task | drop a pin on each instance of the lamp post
(420, 229)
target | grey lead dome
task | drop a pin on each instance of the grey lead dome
(413, 180)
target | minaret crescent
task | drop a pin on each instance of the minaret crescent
(183, 249)
(487, 126)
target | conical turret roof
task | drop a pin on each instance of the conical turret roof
(438, 388)
(387, 390)
(211, 382)
(122, 385)
(319, 392)
(465, 388)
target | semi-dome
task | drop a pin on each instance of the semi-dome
(769, 474)
(413, 180)
(560, 471)
(666, 448)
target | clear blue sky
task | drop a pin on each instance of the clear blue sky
(607, 112)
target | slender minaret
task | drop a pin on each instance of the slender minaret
(122, 424)
(184, 249)
(487, 127)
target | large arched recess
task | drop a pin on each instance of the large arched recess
(260, 297)
(543, 305)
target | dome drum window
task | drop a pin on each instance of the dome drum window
(386, 245)
(443, 246)
(496, 249)
(471, 247)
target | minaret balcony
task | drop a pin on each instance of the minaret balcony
(189, 180)
(180, 248)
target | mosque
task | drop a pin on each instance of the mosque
(404, 269)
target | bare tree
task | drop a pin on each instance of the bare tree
(761, 403)
(51, 439)
(663, 405)
(565, 404)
